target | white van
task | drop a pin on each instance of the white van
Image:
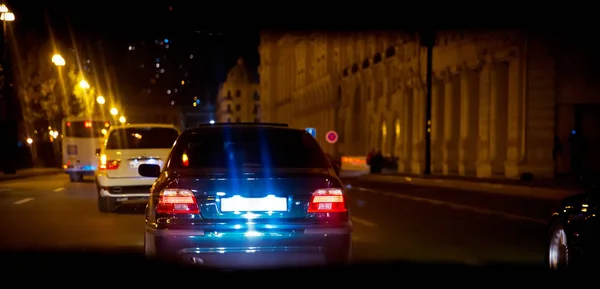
(125, 148)
(81, 143)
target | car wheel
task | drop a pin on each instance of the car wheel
(75, 178)
(558, 249)
(149, 247)
(106, 204)
(342, 257)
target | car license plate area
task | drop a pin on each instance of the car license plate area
(134, 164)
(241, 204)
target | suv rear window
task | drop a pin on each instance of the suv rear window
(141, 138)
(248, 147)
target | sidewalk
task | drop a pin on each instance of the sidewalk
(545, 189)
(32, 172)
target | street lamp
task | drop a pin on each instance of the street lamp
(84, 84)
(122, 119)
(114, 111)
(7, 16)
(100, 99)
(29, 140)
(58, 60)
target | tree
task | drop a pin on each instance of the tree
(49, 92)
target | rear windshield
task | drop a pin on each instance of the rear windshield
(248, 147)
(86, 129)
(141, 138)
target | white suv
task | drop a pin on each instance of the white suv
(125, 148)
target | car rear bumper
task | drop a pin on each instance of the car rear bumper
(83, 171)
(103, 180)
(252, 248)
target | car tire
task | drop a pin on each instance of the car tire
(560, 255)
(106, 204)
(149, 246)
(75, 177)
(341, 258)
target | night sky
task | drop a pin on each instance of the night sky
(137, 20)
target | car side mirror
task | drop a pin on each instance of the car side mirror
(149, 170)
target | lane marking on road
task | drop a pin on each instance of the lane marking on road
(23, 201)
(58, 189)
(363, 222)
(458, 206)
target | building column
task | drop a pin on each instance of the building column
(515, 118)
(418, 124)
(469, 122)
(404, 162)
(451, 123)
(483, 165)
(437, 126)
(498, 116)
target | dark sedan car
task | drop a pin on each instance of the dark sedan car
(237, 195)
(574, 232)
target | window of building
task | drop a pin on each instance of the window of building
(229, 108)
(256, 119)
(255, 110)
(256, 96)
(228, 119)
(238, 93)
(238, 107)
(238, 120)
(229, 93)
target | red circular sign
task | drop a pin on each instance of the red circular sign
(331, 136)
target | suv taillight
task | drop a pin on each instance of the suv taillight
(108, 164)
(327, 201)
(177, 201)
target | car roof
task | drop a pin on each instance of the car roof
(143, 125)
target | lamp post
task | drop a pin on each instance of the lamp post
(9, 119)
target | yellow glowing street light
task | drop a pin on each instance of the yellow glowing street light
(114, 111)
(58, 60)
(7, 16)
(122, 119)
(29, 140)
(84, 84)
(3, 8)
(100, 99)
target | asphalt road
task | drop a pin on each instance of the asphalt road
(392, 222)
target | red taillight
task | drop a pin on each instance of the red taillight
(185, 160)
(106, 124)
(108, 164)
(327, 201)
(177, 201)
(87, 124)
(68, 124)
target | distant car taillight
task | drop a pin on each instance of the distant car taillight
(108, 164)
(327, 201)
(177, 201)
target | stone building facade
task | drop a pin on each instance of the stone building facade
(238, 99)
(500, 101)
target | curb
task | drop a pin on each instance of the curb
(4, 177)
(484, 187)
